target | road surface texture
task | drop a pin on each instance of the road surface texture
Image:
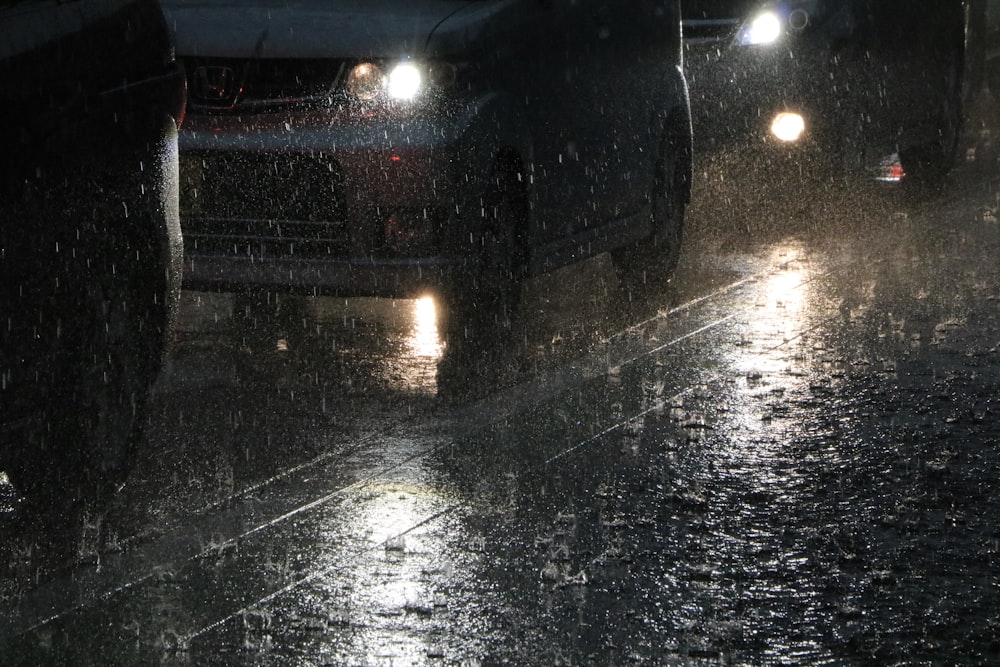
(789, 453)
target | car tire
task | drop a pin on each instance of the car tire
(656, 257)
(480, 311)
(83, 445)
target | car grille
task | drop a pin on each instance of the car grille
(263, 205)
(222, 85)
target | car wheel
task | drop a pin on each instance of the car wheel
(657, 256)
(83, 446)
(481, 308)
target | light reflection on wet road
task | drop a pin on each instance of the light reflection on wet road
(789, 457)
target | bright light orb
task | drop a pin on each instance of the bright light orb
(764, 29)
(788, 127)
(365, 81)
(404, 81)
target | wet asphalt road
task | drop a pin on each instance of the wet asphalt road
(787, 454)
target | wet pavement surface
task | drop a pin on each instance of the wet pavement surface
(786, 454)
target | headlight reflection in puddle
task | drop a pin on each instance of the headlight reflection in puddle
(768, 360)
(782, 305)
(396, 583)
(398, 338)
(425, 340)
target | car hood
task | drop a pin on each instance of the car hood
(308, 28)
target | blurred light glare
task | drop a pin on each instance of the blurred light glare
(788, 127)
(404, 81)
(764, 29)
(366, 81)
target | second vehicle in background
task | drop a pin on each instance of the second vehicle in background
(852, 86)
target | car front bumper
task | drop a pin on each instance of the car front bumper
(321, 203)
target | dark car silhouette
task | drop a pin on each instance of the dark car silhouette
(857, 86)
(90, 245)
(451, 147)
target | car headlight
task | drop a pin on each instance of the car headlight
(366, 81)
(765, 28)
(402, 81)
(788, 126)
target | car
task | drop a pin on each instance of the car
(874, 87)
(395, 148)
(90, 245)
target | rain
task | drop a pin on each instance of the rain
(704, 374)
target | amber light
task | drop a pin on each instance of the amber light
(366, 81)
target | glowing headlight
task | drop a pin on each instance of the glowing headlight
(404, 81)
(366, 81)
(788, 127)
(765, 28)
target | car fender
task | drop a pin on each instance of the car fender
(496, 131)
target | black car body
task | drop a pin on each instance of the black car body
(90, 246)
(874, 86)
(540, 133)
